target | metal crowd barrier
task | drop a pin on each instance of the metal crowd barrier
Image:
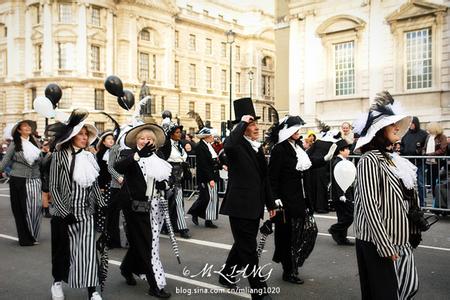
(433, 178)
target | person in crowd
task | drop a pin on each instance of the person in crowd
(347, 133)
(412, 145)
(180, 170)
(435, 145)
(208, 165)
(103, 148)
(288, 162)
(46, 157)
(145, 179)
(247, 192)
(343, 201)
(217, 144)
(23, 158)
(382, 227)
(309, 140)
(76, 194)
(189, 144)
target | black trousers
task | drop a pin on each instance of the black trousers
(319, 191)
(113, 219)
(18, 193)
(344, 212)
(60, 249)
(243, 252)
(377, 274)
(283, 245)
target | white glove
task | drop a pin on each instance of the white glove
(342, 198)
(278, 203)
(330, 153)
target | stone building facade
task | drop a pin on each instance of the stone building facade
(178, 47)
(333, 56)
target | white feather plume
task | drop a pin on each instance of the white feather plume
(360, 123)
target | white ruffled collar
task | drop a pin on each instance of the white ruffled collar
(30, 152)
(404, 170)
(303, 161)
(86, 169)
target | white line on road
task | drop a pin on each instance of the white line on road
(4, 195)
(9, 237)
(4, 189)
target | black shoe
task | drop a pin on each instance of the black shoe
(129, 278)
(335, 237)
(195, 220)
(292, 278)
(345, 242)
(210, 224)
(158, 293)
(184, 233)
(226, 283)
(46, 212)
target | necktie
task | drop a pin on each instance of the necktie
(72, 162)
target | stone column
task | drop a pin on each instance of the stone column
(82, 47)
(30, 55)
(133, 50)
(294, 66)
(109, 43)
(377, 48)
(311, 66)
(47, 46)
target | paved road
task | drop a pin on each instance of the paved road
(329, 273)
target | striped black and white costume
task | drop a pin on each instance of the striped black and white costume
(177, 158)
(70, 196)
(25, 190)
(382, 229)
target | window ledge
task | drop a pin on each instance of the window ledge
(210, 91)
(98, 74)
(193, 89)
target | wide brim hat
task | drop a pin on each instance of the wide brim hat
(130, 138)
(289, 126)
(102, 137)
(402, 121)
(92, 134)
(205, 132)
(31, 123)
(242, 107)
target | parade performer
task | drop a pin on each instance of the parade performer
(23, 158)
(76, 195)
(206, 206)
(177, 159)
(247, 192)
(343, 201)
(288, 162)
(382, 227)
(145, 180)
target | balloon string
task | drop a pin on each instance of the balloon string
(124, 103)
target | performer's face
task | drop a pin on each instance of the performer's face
(108, 141)
(81, 139)
(296, 135)
(209, 139)
(144, 137)
(252, 131)
(390, 132)
(176, 136)
(24, 129)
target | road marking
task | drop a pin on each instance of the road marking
(4, 195)
(4, 189)
(9, 237)
(325, 217)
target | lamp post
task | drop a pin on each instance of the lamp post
(230, 40)
(250, 77)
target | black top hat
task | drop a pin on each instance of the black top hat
(341, 145)
(242, 107)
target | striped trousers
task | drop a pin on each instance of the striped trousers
(407, 277)
(179, 202)
(206, 206)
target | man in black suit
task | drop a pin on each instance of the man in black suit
(247, 192)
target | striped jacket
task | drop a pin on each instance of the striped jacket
(61, 187)
(114, 156)
(380, 208)
(19, 165)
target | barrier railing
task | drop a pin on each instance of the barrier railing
(433, 178)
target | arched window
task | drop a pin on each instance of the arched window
(267, 77)
(145, 35)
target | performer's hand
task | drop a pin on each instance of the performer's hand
(272, 213)
(330, 153)
(394, 257)
(147, 150)
(225, 167)
(161, 185)
(278, 203)
(120, 180)
(247, 118)
(212, 184)
(343, 198)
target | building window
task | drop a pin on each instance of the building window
(33, 96)
(3, 102)
(99, 99)
(208, 111)
(144, 66)
(37, 13)
(208, 46)
(163, 104)
(192, 45)
(38, 57)
(95, 17)
(237, 87)
(95, 58)
(3, 63)
(263, 117)
(238, 53)
(191, 106)
(65, 101)
(65, 56)
(266, 85)
(100, 126)
(177, 73)
(223, 49)
(192, 75)
(208, 77)
(153, 104)
(344, 68)
(418, 59)
(154, 67)
(189, 7)
(65, 13)
(222, 112)
(177, 38)
(223, 80)
(145, 35)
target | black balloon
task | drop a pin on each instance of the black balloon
(127, 100)
(54, 93)
(114, 86)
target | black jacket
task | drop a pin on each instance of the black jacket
(286, 181)
(414, 140)
(336, 191)
(104, 177)
(248, 181)
(207, 167)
